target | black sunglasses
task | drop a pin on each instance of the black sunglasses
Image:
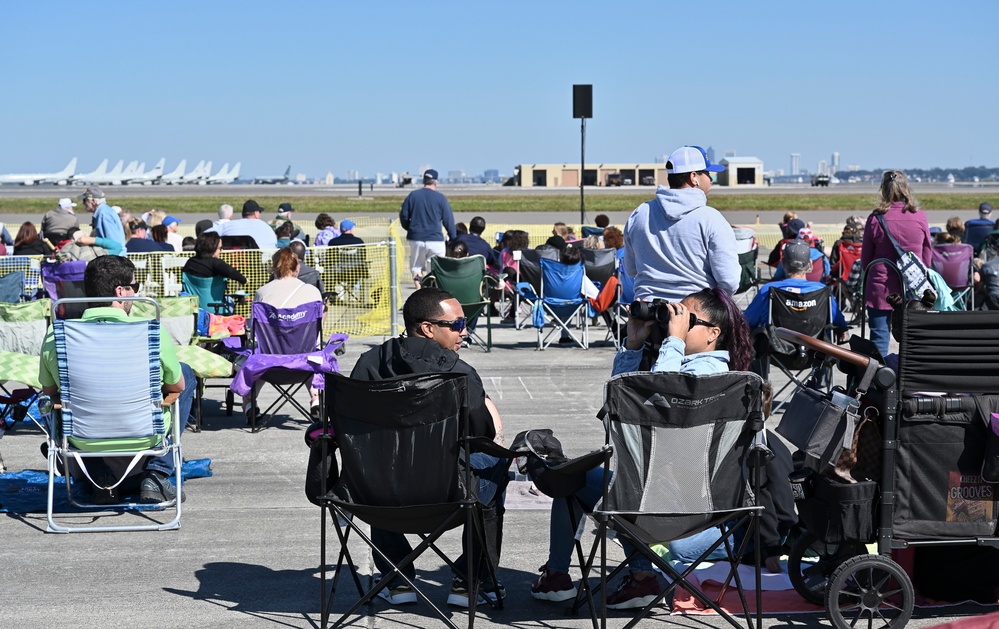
(457, 325)
(134, 287)
(697, 321)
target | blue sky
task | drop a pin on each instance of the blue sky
(383, 86)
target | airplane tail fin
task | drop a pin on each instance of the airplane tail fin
(69, 170)
(234, 173)
(287, 172)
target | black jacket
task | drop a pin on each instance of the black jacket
(775, 495)
(412, 355)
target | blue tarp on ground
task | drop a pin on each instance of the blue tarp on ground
(27, 491)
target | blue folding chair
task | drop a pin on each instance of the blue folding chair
(562, 299)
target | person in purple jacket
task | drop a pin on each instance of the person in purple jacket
(907, 223)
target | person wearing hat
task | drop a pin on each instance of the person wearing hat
(977, 229)
(346, 237)
(174, 239)
(423, 214)
(807, 236)
(676, 244)
(250, 225)
(284, 215)
(106, 223)
(56, 223)
(795, 262)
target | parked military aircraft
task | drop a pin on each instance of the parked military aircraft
(284, 179)
(62, 177)
(225, 175)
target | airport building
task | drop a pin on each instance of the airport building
(739, 171)
(568, 175)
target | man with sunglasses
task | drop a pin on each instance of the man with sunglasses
(114, 276)
(435, 328)
(676, 244)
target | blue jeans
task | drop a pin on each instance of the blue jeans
(164, 463)
(880, 334)
(493, 479)
(562, 528)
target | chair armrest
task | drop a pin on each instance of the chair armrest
(490, 447)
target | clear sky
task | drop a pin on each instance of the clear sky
(388, 86)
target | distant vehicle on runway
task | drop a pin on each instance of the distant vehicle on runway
(60, 178)
(273, 180)
(614, 179)
(821, 180)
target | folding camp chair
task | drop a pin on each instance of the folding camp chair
(847, 253)
(528, 285)
(65, 280)
(601, 265)
(210, 292)
(22, 331)
(124, 422)
(284, 350)
(682, 448)
(809, 313)
(562, 299)
(467, 280)
(954, 264)
(401, 444)
(238, 242)
(12, 287)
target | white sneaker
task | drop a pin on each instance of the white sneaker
(399, 595)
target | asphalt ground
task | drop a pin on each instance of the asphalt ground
(247, 554)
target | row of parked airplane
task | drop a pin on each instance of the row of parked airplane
(135, 173)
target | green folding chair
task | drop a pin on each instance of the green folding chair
(467, 280)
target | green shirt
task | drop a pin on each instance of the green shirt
(48, 371)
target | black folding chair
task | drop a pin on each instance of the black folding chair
(808, 313)
(402, 442)
(683, 447)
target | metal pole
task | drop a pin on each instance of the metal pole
(582, 170)
(393, 288)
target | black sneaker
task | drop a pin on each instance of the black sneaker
(156, 488)
(487, 592)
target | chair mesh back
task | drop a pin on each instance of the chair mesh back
(11, 287)
(286, 330)
(807, 313)
(109, 378)
(949, 352)
(65, 279)
(678, 440)
(398, 438)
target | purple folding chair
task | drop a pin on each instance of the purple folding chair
(954, 264)
(65, 279)
(285, 352)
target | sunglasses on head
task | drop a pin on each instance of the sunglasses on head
(456, 325)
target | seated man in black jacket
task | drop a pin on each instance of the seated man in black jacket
(435, 328)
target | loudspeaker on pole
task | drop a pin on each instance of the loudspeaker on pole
(582, 101)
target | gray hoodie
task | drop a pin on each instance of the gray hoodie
(676, 245)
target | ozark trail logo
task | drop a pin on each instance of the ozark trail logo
(657, 399)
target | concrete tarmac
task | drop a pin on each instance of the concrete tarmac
(248, 552)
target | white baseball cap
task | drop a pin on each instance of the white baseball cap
(690, 159)
(66, 203)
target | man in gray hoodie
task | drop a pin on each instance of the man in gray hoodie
(676, 244)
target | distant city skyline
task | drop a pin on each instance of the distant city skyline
(383, 87)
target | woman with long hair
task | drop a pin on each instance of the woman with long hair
(27, 242)
(899, 210)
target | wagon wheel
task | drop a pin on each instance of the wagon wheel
(810, 578)
(869, 592)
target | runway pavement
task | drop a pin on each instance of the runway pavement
(248, 552)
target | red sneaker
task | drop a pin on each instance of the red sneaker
(553, 586)
(634, 594)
